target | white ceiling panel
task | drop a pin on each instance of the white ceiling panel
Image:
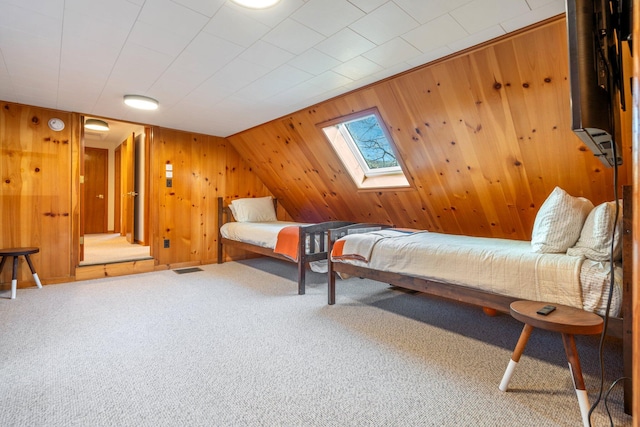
(437, 33)
(266, 54)
(29, 22)
(314, 62)
(430, 56)
(276, 81)
(52, 8)
(138, 67)
(327, 16)
(392, 53)
(368, 5)
(172, 17)
(234, 25)
(384, 23)
(219, 68)
(42, 54)
(205, 7)
(330, 80)
(158, 39)
(345, 45)
(552, 8)
(536, 4)
(476, 38)
(238, 73)
(293, 37)
(479, 15)
(118, 13)
(91, 31)
(292, 95)
(357, 68)
(424, 11)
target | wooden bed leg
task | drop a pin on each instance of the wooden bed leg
(220, 222)
(491, 312)
(331, 286)
(301, 276)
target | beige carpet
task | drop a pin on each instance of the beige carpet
(234, 345)
(111, 247)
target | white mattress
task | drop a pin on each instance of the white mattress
(501, 266)
(263, 234)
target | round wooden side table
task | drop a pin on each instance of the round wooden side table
(569, 321)
(15, 253)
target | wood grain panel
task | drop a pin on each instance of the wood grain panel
(35, 198)
(204, 168)
(485, 137)
(635, 306)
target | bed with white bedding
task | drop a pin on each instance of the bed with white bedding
(256, 229)
(554, 267)
(499, 266)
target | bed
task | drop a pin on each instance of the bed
(430, 263)
(251, 224)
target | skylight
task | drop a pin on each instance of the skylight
(366, 150)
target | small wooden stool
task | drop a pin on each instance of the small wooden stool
(15, 253)
(566, 320)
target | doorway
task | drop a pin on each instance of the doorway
(122, 210)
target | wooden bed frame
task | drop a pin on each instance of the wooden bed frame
(312, 233)
(619, 327)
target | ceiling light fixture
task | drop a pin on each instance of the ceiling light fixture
(141, 102)
(95, 124)
(256, 4)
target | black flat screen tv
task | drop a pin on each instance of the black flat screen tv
(596, 30)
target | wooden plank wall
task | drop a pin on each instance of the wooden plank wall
(35, 198)
(204, 168)
(636, 217)
(39, 199)
(485, 136)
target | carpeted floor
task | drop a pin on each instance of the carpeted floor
(234, 345)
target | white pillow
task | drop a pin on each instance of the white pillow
(595, 238)
(559, 222)
(258, 209)
(233, 210)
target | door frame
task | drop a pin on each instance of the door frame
(77, 220)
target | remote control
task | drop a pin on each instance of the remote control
(546, 310)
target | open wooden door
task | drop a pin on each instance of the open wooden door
(128, 188)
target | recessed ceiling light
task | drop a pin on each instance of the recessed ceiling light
(141, 102)
(95, 124)
(256, 4)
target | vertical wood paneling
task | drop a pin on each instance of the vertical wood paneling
(635, 263)
(35, 198)
(485, 137)
(204, 168)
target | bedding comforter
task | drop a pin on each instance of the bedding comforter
(501, 266)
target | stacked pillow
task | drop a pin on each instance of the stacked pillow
(572, 225)
(595, 238)
(559, 222)
(258, 209)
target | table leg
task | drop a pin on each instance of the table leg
(515, 357)
(33, 271)
(14, 277)
(576, 374)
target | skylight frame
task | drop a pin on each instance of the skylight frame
(365, 178)
(357, 152)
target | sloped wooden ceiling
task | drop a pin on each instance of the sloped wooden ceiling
(485, 137)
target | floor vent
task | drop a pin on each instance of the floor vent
(188, 270)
